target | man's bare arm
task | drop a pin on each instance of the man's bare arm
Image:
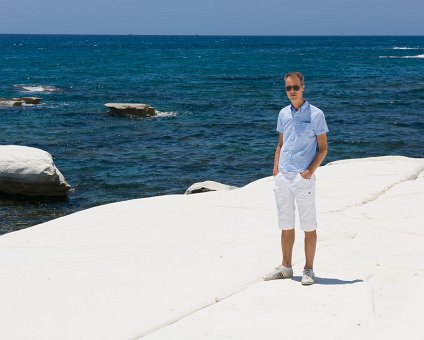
(319, 157)
(277, 154)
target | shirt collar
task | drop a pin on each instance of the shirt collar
(303, 108)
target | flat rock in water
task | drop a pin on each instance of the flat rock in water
(10, 102)
(13, 102)
(30, 172)
(29, 100)
(136, 109)
(208, 186)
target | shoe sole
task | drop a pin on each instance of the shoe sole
(277, 278)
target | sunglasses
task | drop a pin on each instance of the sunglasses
(295, 88)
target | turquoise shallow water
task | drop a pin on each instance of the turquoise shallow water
(218, 96)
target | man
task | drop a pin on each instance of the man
(301, 148)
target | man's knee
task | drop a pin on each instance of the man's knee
(309, 235)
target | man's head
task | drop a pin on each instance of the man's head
(294, 86)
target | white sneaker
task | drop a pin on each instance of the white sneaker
(279, 272)
(308, 277)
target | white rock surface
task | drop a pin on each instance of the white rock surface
(208, 186)
(142, 268)
(30, 171)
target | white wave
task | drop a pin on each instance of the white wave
(406, 48)
(165, 114)
(37, 88)
(33, 88)
(419, 56)
(40, 104)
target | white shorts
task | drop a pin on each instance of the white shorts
(293, 187)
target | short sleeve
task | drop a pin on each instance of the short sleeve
(319, 124)
(280, 124)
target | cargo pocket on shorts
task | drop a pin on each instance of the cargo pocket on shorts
(277, 178)
(277, 183)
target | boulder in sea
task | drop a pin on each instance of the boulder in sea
(4, 102)
(29, 100)
(136, 109)
(30, 171)
(13, 102)
(208, 186)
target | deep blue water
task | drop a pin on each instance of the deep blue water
(219, 98)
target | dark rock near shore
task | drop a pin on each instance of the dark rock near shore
(136, 109)
(29, 100)
(14, 102)
(4, 102)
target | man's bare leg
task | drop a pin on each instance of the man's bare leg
(310, 247)
(287, 242)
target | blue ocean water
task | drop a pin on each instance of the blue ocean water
(219, 98)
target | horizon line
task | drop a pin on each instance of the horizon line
(221, 35)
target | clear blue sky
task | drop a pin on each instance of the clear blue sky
(214, 17)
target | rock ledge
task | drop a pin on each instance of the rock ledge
(136, 109)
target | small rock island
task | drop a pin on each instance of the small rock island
(135, 109)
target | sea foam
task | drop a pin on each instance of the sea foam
(406, 48)
(419, 56)
(165, 114)
(37, 88)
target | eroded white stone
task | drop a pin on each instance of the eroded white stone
(208, 186)
(30, 171)
(190, 266)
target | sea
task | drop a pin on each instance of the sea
(217, 98)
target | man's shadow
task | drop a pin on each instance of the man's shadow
(328, 281)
